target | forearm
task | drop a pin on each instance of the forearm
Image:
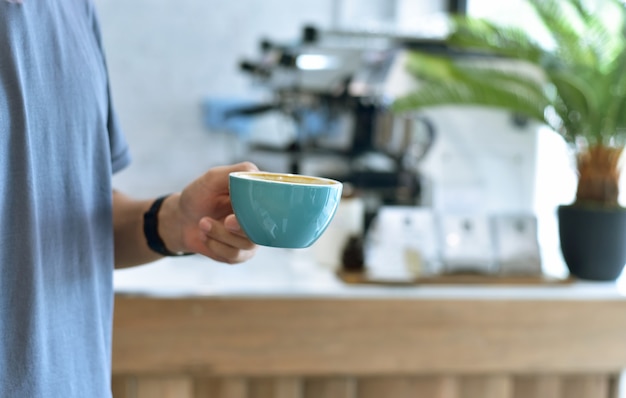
(131, 247)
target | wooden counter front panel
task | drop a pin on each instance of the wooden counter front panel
(383, 348)
(315, 337)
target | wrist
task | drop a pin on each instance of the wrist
(162, 228)
(170, 225)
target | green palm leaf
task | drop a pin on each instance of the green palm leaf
(583, 75)
(482, 35)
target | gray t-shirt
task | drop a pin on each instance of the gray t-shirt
(59, 145)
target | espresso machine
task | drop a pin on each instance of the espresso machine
(331, 85)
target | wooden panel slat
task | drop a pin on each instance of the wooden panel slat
(617, 385)
(537, 386)
(289, 387)
(339, 387)
(408, 387)
(586, 386)
(486, 387)
(261, 388)
(164, 387)
(223, 387)
(123, 386)
(275, 387)
(448, 387)
(392, 387)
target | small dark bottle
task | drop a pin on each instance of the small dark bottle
(353, 255)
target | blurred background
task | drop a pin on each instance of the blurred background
(177, 67)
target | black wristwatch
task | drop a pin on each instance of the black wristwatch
(151, 230)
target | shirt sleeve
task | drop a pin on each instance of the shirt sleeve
(120, 152)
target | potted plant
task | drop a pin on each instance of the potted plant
(575, 83)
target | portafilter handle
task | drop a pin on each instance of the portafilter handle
(251, 110)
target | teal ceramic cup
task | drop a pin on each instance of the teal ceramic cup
(283, 210)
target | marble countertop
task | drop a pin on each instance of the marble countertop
(279, 273)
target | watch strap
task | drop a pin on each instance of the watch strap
(151, 230)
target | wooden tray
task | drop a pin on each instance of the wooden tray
(361, 278)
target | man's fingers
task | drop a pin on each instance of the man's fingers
(225, 242)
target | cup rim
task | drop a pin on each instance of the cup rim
(246, 174)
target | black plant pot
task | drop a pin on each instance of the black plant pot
(593, 241)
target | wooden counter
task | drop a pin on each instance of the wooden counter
(371, 342)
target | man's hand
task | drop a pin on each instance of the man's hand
(200, 219)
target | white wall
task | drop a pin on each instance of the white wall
(166, 56)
